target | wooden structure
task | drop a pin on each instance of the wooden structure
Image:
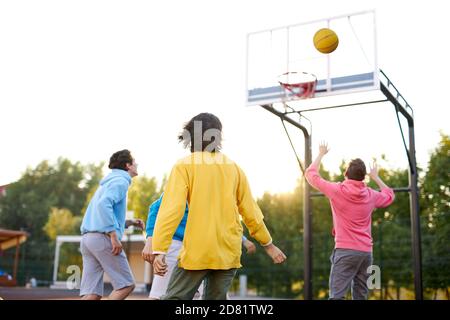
(10, 239)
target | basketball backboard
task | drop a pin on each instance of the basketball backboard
(352, 67)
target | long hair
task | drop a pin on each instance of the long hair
(202, 133)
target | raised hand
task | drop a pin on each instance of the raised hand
(373, 173)
(323, 148)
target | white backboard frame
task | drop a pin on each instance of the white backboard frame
(352, 68)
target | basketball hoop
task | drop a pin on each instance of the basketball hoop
(300, 84)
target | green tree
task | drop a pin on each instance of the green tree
(282, 215)
(436, 213)
(28, 202)
(142, 193)
(62, 222)
(391, 233)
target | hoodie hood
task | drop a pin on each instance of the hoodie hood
(116, 174)
(355, 191)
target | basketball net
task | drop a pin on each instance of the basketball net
(300, 85)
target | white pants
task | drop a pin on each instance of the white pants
(160, 283)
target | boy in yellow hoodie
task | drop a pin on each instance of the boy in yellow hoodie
(218, 194)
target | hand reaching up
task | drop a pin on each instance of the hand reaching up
(373, 173)
(323, 148)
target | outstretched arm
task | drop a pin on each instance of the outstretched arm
(313, 176)
(170, 214)
(323, 150)
(386, 195)
(373, 174)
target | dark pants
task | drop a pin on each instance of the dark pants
(349, 268)
(183, 284)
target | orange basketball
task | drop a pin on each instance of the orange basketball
(325, 40)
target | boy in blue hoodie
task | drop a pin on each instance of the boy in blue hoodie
(102, 228)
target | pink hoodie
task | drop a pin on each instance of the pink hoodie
(352, 204)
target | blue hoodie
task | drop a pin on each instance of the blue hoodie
(151, 220)
(107, 210)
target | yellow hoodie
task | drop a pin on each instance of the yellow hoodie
(217, 193)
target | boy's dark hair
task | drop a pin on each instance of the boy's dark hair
(120, 159)
(356, 170)
(197, 140)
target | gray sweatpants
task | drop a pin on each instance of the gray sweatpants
(96, 249)
(349, 268)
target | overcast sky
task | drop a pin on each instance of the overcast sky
(82, 79)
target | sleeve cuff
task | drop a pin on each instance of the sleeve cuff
(109, 230)
(267, 244)
(387, 190)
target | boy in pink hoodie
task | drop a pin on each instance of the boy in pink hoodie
(352, 204)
